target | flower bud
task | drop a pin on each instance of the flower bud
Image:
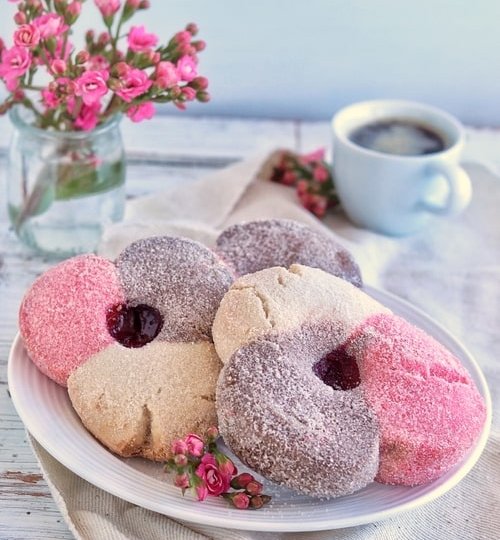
(212, 433)
(241, 481)
(73, 12)
(192, 28)
(182, 481)
(20, 18)
(114, 84)
(104, 38)
(58, 66)
(254, 488)
(175, 92)
(199, 83)
(199, 45)
(145, 4)
(240, 501)
(259, 501)
(121, 69)
(179, 447)
(203, 97)
(89, 36)
(180, 460)
(82, 57)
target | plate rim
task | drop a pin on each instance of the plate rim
(276, 525)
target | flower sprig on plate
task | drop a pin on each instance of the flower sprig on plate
(199, 465)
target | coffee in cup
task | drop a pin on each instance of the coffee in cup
(395, 165)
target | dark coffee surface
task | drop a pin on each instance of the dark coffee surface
(399, 137)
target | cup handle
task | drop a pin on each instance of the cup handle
(459, 190)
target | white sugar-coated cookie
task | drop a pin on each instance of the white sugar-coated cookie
(137, 401)
(277, 299)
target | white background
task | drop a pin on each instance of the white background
(305, 59)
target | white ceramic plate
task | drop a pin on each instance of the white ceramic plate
(46, 411)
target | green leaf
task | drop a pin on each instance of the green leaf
(81, 180)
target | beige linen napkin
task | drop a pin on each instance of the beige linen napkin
(451, 270)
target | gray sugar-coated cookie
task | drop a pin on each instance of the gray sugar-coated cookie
(182, 279)
(255, 245)
(284, 422)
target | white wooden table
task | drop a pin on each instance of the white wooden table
(162, 151)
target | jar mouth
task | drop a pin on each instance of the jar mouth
(23, 119)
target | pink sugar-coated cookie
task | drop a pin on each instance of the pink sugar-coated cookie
(63, 315)
(429, 410)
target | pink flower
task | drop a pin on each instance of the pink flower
(15, 63)
(50, 25)
(317, 155)
(320, 174)
(49, 99)
(182, 481)
(241, 501)
(134, 83)
(188, 93)
(195, 445)
(88, 117)
(215, 480)
(166, 75)
(91, 86)
(139, 40)
(27, 35)
(108, 7)
(201, 492)
(186, 67)
(179, 447)
(226, 466)
(144, 111)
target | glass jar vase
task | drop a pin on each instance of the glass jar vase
(63, 188)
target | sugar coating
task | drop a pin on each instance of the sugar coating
(138, 401)
(285, 423)
(62, 317)
(182, 279)
(276, 299)
(255, 245)
(429, 409)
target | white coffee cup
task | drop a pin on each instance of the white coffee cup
(398, 194)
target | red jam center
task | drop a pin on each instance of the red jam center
(133, 326)
(338, 369)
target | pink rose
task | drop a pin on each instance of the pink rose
(195, 445)
(88, 117)
(139, 40)
(15, 63)
(186, 67)
(91, 86)
(50, 25)
(144, 111)
(49, 99)
(215, 480)
(108, 7)
(27, 35)
(166, 75)
(134, 83)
